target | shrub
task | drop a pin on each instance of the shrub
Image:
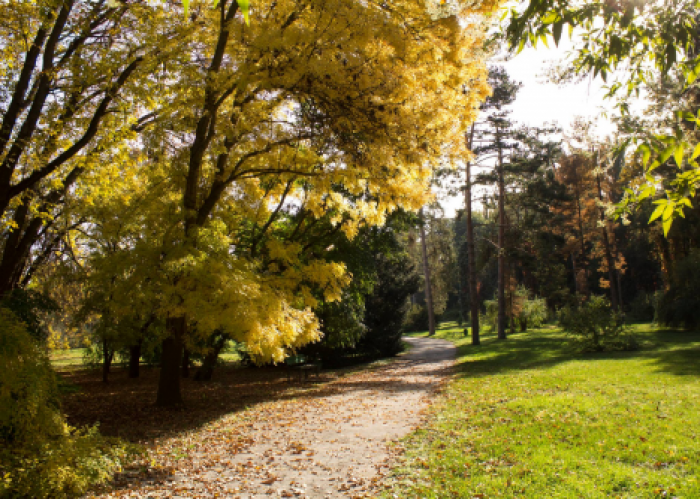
(417, 318)
(40, 455)
(680, 305)
(528, 312)
(534, 312)
(387, 306)
(595, 327)
(490, 317)
(643, 307)
(30, 307)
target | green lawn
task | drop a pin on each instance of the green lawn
(529, 418)
(67, 359)
(73, 358)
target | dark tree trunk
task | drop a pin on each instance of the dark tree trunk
(107, 356)
(471, 256)
(185, 363)
(511, 299)
(608, 252)
(582, 238)
(134, 360)
(428, 285)
(169, 392)
(205, 372)
(501, 242)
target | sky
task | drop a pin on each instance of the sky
(539, 102)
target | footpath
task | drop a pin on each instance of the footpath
(332, 440)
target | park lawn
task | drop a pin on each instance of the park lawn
(71, 358)
(529, 418)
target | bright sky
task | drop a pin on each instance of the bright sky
(539, 102)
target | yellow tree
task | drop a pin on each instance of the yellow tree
(69, 71)
(346, 105)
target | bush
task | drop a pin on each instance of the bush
(643, 307)
(680, 305)
(30, 307)
(40, 455)
(534, 312)
(528, 312)
(387, 306)
(417, 318)
(490, 317)
(595, 327)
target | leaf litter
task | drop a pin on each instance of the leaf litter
(252, 434)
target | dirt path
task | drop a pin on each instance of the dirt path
(329, 441)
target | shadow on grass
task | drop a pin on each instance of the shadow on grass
(671, 351)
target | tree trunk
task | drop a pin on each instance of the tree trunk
(573, 267)
(608, 253)
(135, 359)
(107, 356)
(185, 363)
(169, 392)
(471, 257)
(582, 238)
(501, 242)
(205, 372)
(428, 285)
(511, 300)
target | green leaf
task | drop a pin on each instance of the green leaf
(556, 31)
(696, 151)
(648, 191)
(645, 150)
(692, 74)
(678, 155)
(186, 5)
(657, 213)
(244, 5)
(668, 211)
(666, 154)
(550, 18)
(667, 226)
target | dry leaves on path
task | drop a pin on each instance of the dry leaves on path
(323, 440)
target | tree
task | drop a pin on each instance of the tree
(305, 105)
(427, 281)
(68, 87)
(646, 41)
(504, 91)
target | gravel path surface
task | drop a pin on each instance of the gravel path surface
(329, 441)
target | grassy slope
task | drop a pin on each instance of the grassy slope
(528, 418)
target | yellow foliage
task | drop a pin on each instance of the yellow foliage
(40, 455)
(332, 111)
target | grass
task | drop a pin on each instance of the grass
(529, 418)
(67, 359)
(73, 358)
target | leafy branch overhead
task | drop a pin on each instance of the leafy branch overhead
(636, 44)
(243, 6)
